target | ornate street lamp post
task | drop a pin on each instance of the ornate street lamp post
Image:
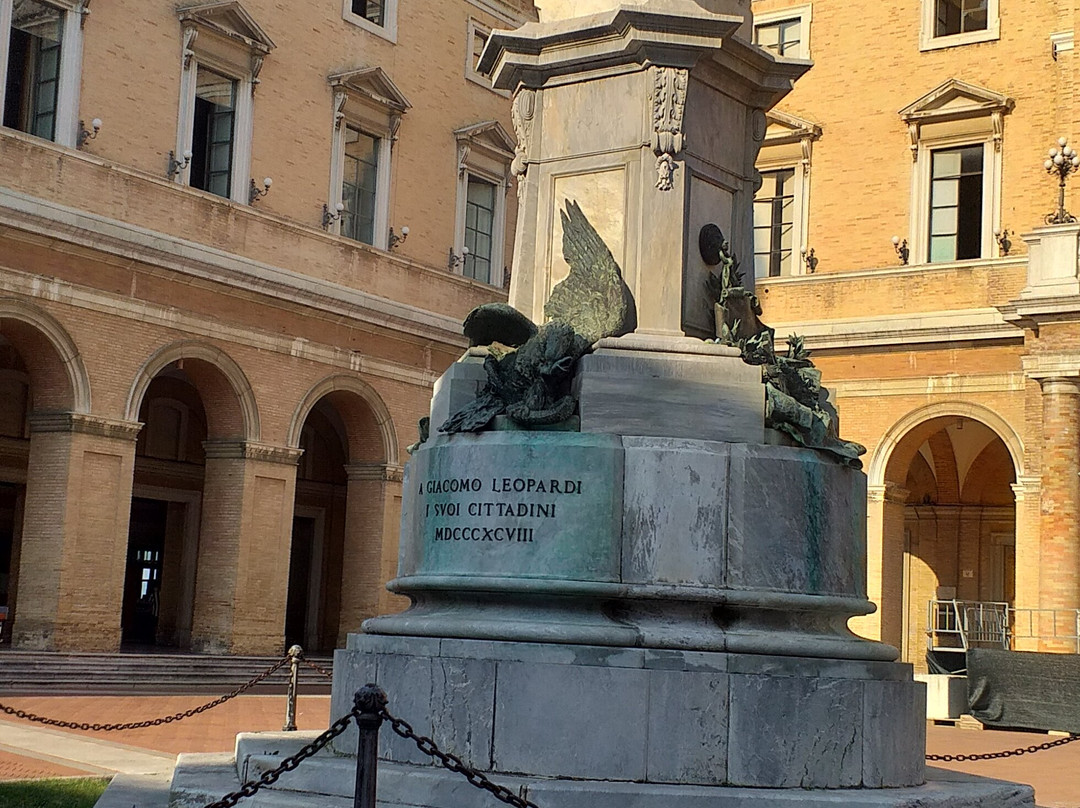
(1062, 161)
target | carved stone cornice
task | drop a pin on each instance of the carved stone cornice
(1045, 368)
(1027, 487)
(250, 450)
(378, 472)
(83, 424)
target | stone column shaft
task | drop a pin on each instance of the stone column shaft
(1059, 583)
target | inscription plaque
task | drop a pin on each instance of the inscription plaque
(532, 504)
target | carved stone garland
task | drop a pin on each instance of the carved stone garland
(669, 104)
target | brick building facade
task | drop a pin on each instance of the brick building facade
(207, 382)
(900, 228)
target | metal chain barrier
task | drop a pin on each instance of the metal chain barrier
(1007, 753)
(287, 765)
(454, 763)
(154, 722)
(317, 668)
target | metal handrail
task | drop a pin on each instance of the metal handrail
(957, 625)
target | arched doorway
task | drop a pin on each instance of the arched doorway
(163, 534)
(341, 512)
(188, 397)
(14, 455)
(954, 517)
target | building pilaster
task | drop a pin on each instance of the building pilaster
(75, 532)
(373, 513)
(884, 564)
(242, 580)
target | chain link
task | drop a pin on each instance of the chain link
(153, 722)
(317, 668)
(454, 763)
(271, 776)
(1005, 754)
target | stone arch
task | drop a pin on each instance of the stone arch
(219, 379)
(59, 374)
(883, 453)
(341, 382)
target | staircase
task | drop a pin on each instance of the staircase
(36, 673)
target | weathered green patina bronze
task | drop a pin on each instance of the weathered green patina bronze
(795, 402)
(529, 369)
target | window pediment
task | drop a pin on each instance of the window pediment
(788, 140)
(368, 97)
(227, 19)
(956, 109)
(487, 146)
(956, 99)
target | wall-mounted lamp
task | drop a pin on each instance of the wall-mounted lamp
(456, 260)
(176, 166)
(811, 261)
(87, 134)
(1002, 237)
(902, 250)
(395, 240)
(329, 218)
(255, 193)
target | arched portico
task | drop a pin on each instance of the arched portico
(942, 517)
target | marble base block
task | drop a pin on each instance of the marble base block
(456, 389)
(638, 391)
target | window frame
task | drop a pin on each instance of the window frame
(235, 55)
(476, 26)
(789, 145)
(795, 246)
(485, 151)
(803, 13)
(928, 39)
(953, 115)
(368, 101)
(388, 30)
(66, 126)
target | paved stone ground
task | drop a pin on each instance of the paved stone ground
(1055, 774)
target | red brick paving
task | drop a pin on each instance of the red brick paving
(1055, 773)
(212, 731)
(17, 767)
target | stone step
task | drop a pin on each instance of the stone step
(43, 673)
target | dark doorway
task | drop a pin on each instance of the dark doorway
(9, 503)
(142, 583)
(297, 610)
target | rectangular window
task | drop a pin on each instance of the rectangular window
(961, 16)
(33, 68)
(774, 224)
(479, 228)
(213, 132)
(359, 185)
(783, 37)
(956, 204)
(371, 10)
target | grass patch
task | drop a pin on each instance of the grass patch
(76, 792)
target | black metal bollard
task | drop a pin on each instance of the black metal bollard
(368, 703)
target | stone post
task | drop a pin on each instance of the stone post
(75, 532)
(242, 581)
(1059, 579)
(369, 556)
